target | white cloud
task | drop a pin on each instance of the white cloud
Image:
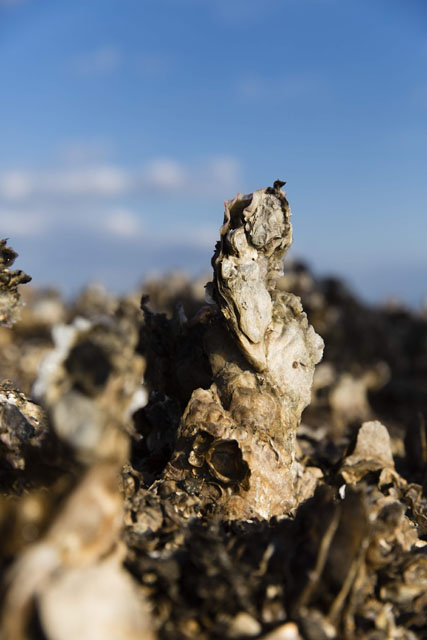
(165, 174)
(209, 176)
(101, 61)
(102, 201)
(22, 223)
(101, 181)
(15, 185)
(225, 171)
(70, 185)
(95, 181)
(123, 223)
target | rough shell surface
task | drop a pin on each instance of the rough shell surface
(262, 353)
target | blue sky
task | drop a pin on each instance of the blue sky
(125, 124)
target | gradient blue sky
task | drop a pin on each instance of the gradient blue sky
(125, 124)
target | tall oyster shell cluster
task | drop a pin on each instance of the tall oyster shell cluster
(262, 351)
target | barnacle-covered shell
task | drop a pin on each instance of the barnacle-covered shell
(9, 282)
(23, 424)
(262, 353)
(253, 240)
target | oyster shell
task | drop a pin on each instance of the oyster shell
(9, 282)
(23, 424)
(262, 353)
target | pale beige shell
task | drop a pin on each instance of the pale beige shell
(262, 353)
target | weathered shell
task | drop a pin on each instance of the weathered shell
(262, 353)
(9, 282)
(91, 382)
(23, 424)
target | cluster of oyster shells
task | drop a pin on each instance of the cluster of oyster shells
(262, 353)
(157, 482)
(10, 279)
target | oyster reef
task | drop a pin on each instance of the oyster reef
(175, 466)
